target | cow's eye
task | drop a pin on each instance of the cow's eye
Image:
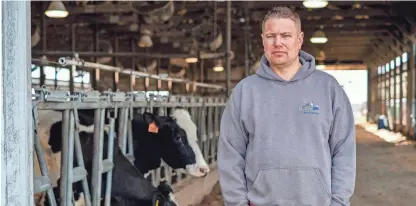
(178, 137)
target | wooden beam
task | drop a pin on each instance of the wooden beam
(346, 23)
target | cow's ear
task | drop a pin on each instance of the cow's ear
(148, 118)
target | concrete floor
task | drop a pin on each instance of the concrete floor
(386, 174)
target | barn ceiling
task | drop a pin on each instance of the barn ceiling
(356, 30)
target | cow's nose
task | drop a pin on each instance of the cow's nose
(203, 170)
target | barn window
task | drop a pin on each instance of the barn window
(49, 72)
(63, 74)
(404, 56)
(35, 71)
(82, 76)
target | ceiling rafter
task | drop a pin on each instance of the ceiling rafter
(351, 30)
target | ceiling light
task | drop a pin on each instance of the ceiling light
(320, 66)
(319, 37)
(315, 4)
(191, 60)
(145, 40)
(56, 9)
(356, 5)
(218, 66)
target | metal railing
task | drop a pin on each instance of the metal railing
(64, 61)
(205, 112)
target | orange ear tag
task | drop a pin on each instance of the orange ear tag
(153, 128)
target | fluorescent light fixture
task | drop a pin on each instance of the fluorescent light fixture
(319, 37)
(218, 68)
(319, 40)
(315, 4)
(56, 9)
(320, 66)
(191, 60)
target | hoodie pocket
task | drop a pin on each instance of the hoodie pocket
(289, 187)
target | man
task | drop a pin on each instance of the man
(287, 134)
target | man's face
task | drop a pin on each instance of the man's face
(281, 41)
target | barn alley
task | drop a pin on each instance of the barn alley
(120, 102)
(385, 172)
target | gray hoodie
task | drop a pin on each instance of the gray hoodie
(287, 143)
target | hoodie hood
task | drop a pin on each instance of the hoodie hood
(308, 66)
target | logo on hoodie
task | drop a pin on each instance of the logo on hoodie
(309, 108)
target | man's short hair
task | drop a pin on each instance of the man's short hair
(282, 12)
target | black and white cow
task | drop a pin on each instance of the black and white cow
(129, 186)
(167, 144)
(175, 142)
(149, 148)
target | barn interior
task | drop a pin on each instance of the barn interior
(204, 48)
(204, 41)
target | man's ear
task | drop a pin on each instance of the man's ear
(301, 35)
(262, 39)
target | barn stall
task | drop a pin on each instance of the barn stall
(139, 60)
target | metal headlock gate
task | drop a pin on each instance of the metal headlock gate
(205, 111)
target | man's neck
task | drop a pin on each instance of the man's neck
(287, 72)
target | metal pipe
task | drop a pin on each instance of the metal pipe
(125, 127)
(228, 49)
(133, 63)
(125, 54)
(130, 153)
(159, 82)
(97, 156)
(41, 158)
(121, 130)
(80, 159)
(73, 68)
(205, 114)
(43, 39)
(107, 200)
(67, 61)
(96, 73)
(70, 156)
(64, 182)
(115, 60)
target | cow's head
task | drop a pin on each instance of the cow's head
(172, 140)
(184, 120)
